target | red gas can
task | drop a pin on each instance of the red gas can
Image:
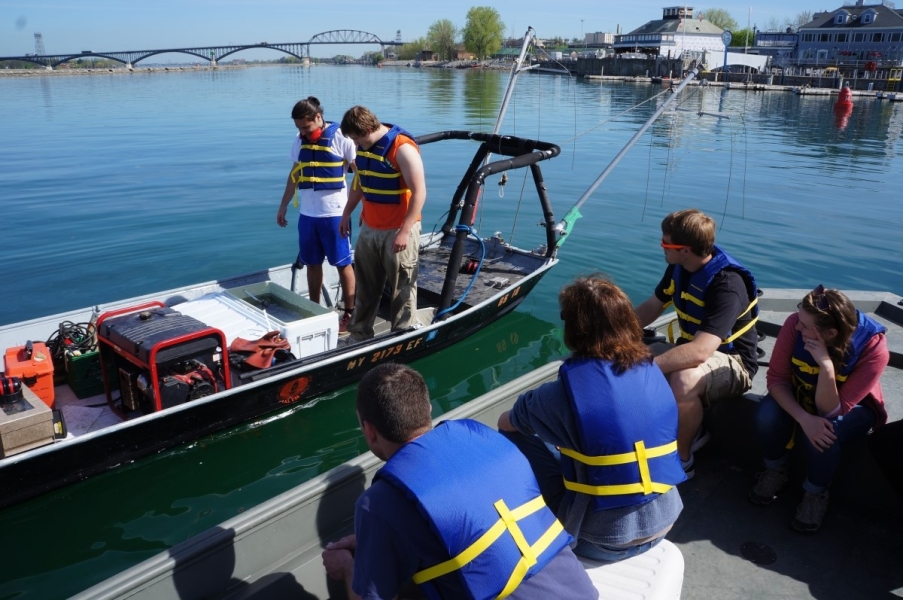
(33, 365)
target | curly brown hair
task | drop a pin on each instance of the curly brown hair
(599, 322)
(831, 309)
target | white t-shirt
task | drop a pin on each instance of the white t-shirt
(325, 203)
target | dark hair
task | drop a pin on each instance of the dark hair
(599, 322)
(831, 309)
(693, 228)
(394, 399)
(307, 109)
(358, 121)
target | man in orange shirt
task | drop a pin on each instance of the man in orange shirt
(391, 184)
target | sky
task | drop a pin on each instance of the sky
(70, 26)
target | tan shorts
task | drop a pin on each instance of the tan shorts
(725, 377)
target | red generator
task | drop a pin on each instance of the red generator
(161, 357)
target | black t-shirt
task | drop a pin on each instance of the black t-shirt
(725, 299)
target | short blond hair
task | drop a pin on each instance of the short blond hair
(690, 227)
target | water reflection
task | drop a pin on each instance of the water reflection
(481, 98)
(442, 86)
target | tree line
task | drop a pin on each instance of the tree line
(482, 35)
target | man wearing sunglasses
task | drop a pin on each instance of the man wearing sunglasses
(714, 298)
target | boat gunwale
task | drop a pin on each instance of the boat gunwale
(203, 546)
(378, 344)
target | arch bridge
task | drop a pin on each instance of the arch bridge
(213, 54)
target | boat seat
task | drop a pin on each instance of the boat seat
(656, 574)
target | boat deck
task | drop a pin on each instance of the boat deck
(732, 549)
(735, 549)
(501, 267)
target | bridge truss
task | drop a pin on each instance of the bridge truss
(213, 54)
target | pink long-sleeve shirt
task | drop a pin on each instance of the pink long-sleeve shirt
(862, 385)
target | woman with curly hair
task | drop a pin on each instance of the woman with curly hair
(613, 418)
(823, 382)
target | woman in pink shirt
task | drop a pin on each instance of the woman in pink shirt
(823, 390)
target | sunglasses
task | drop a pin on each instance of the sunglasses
(672, 246)
(819, 299)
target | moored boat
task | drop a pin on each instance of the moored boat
(169, 353)
(183, 363)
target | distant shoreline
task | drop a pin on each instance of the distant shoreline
(123, 71)
(141, 70)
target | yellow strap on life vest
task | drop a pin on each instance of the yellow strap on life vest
(366, 154)
(616, 490)
(380, 175)
(687, 317)
(742, 330)
(507, 522)
(692, 298)
(611, 460)
(804, 366)
(812, 370)
(520, 570)
(729, 339)
(640, 455)
(317, 147)
(298, 173)
(376, 192)
(671, 330)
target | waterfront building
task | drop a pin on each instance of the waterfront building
(866, 38)
(676, 33)
(779, 45)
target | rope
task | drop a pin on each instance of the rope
(71, 337)
(609, 120)
(473, 279)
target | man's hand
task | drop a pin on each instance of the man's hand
(280, 216)
(401, 241)
(345, 225)
(338, 559)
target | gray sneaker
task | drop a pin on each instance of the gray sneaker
(810, 512)
(770, 482)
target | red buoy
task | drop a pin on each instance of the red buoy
(844, 98)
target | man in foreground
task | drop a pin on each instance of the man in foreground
(456, 509)
(391, 184)
(714, 297)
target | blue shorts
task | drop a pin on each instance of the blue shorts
(319, 238)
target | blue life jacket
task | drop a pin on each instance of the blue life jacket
(481, 498)
(804, 369)
(627, 427)
(689, 304)
(318, 167)
(380, 181)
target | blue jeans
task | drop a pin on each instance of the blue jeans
(775, 428)
(611, 554)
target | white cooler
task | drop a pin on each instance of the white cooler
(317, 331)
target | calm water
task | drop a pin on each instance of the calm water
(115, 186)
